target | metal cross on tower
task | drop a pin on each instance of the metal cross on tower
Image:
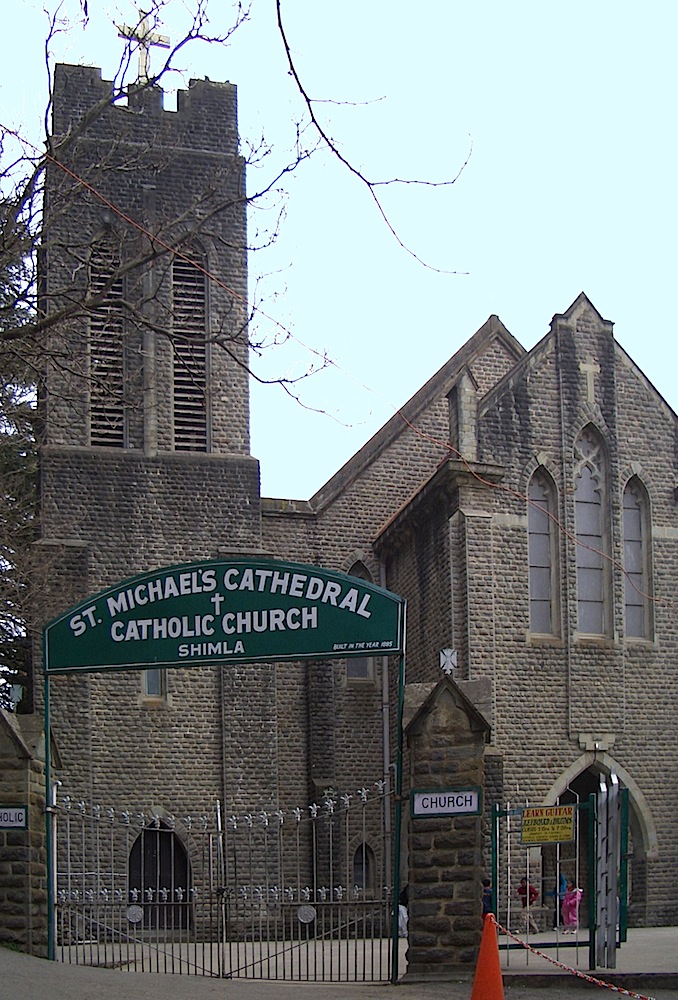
(146, 37)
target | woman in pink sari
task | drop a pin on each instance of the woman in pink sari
(570, 908)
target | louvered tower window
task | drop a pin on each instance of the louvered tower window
(190, 353)
(106, 357)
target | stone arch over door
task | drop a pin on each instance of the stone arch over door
(582, 777)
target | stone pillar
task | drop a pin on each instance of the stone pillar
(463, 414)
(446, 739)
(23, 851)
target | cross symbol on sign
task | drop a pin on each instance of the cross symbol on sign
(145, 36)
(448, 660)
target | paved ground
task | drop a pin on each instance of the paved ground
(647, 965)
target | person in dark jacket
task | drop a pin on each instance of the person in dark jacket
(487, 897)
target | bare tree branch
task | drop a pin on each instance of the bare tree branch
(330, 144)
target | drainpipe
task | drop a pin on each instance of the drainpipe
(386, 738)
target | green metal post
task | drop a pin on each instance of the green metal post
(49, 832)
(398, 821)
(495, 855)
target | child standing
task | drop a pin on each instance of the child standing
(570, 907)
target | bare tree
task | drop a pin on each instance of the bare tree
(18, 529)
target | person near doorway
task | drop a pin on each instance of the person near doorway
(528, 895)
(571, 901)
(559, 894)
(403, 912)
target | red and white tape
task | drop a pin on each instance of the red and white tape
(567, 968)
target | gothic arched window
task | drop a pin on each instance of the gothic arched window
(637, 603)
(360, 668)
(542, 555)
(364, 869)
(592, 549)
(106, 357)
(189, 317)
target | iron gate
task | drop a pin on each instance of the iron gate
(595, 859)
(303, 894)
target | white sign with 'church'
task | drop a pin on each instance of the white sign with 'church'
(446, 802)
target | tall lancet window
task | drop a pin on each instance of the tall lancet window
(190, 359)
(637, 599)
(543, 555)
(106, 349)
(592, 549)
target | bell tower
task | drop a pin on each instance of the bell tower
(145, 460)
(146, 406)
(144, 257)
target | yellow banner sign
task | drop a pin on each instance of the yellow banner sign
(547, 824)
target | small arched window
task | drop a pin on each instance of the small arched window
(591, 520)
(360, 668)
(364, 869)
(637, 598)
(189, 346)
(542, 555)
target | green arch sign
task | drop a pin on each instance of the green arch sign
(225, 611)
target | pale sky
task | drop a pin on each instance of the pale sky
(568, 112)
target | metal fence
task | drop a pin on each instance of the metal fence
(303, 894)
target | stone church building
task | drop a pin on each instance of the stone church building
(525, 503)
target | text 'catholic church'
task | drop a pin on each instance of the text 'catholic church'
(522, 503)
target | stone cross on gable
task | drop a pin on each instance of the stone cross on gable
(146, 37)
(591, 368)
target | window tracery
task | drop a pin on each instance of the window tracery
(592, 549)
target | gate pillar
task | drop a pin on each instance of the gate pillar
(23, 853)
(446, 739)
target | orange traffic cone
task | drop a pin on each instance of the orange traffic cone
(487, 982)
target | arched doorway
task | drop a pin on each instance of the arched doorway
(159, 879)
(571, 860)
(576, 784)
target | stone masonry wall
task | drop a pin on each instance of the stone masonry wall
(130, 513)
(23, 853)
